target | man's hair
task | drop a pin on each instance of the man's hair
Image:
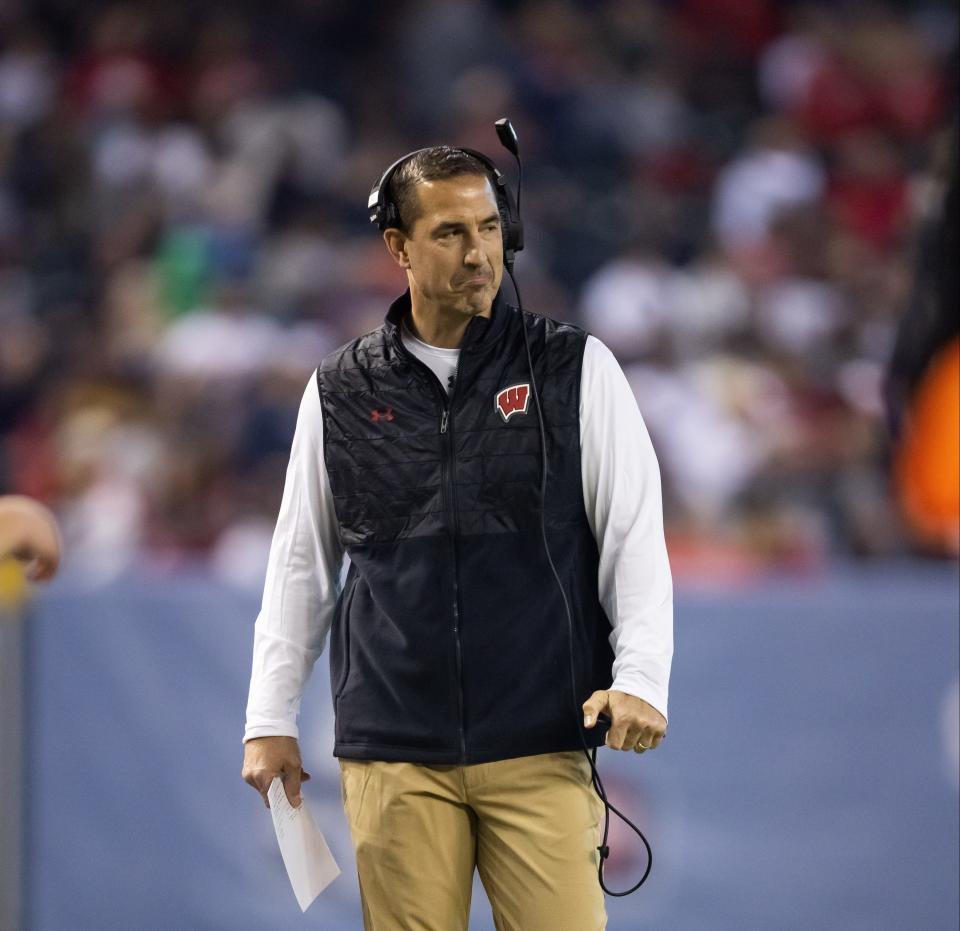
(434, 164)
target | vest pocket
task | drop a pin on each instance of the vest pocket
(344, 620)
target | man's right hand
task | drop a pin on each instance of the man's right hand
(267, 757)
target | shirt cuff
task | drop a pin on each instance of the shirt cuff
(275, 729)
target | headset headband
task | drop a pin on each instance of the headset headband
(386, 215)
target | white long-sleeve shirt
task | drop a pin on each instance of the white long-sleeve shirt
(622, 498)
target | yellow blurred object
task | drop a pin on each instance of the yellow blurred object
(14, 587)
(927, 464)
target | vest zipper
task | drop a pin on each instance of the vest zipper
(444, 424)
(456, 573)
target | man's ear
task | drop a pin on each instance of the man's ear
(397, 246)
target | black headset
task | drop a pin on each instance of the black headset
(384, 213)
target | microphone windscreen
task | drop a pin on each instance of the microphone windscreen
(507, 135)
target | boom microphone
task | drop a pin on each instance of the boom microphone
(508, 138)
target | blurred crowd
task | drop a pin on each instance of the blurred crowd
(727, 194)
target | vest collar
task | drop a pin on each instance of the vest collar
(481, 332)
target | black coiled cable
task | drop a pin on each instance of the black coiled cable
(603, 849)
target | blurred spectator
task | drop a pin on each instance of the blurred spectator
(228, 340)
(775, 173)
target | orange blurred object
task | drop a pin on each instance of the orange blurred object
(927, 463)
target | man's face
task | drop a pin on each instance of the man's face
(453, 253)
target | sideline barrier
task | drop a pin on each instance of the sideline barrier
(804, 783)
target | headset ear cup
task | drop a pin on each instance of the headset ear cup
(382, 210)
(512, 235)
(516, 235)
(506, 224)
(510, 222)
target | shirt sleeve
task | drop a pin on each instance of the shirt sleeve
(302, 583)
(622, 496)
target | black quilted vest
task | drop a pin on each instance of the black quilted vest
(450, 641)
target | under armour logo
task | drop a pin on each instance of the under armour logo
(376, 415)
(512, 400)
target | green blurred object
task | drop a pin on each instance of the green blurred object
(183, 269)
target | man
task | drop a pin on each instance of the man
(456, 730)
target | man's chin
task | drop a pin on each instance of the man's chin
(479, 301)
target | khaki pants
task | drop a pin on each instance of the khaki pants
(530, 825)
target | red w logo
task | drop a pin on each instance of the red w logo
(376, 415)
(512, 400)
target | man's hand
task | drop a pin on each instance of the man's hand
(28, 533)
(635, 725)
(267, 757)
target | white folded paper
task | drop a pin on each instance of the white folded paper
(308, 860)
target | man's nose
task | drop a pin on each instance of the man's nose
(474, 253)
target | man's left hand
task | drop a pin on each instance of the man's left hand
(635, 725)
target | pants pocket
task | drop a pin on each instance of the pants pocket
(354, 776)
